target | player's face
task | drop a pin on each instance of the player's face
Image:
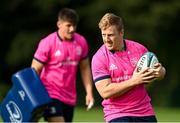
(66, 29)
(112, 38)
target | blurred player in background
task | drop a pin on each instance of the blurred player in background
(116, 77)
(56, 61)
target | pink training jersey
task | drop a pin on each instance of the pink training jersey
(60, 59)
(119, 66)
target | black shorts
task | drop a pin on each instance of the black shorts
(58, 108)
(135, 119)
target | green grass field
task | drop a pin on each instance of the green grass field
(96, 115)
(168, 114)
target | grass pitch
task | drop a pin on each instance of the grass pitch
(96, 115)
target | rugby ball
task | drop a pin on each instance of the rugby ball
(148, 59)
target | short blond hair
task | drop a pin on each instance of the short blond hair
(110, 19)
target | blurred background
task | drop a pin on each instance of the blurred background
(154, 23)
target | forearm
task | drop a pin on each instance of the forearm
(86, 75)
(110, 89)
(87, 80)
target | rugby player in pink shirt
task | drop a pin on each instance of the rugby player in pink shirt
(116, 77)
(56, 61)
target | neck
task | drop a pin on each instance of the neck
(63, 38)
(60, 36)
(121, 47)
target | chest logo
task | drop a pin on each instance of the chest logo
(134, 61)
(113, 67)
(58, 53)
(78, 50)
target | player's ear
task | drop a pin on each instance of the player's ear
(122, 32)
(58, 23)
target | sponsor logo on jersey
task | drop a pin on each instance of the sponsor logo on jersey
(134, 61)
